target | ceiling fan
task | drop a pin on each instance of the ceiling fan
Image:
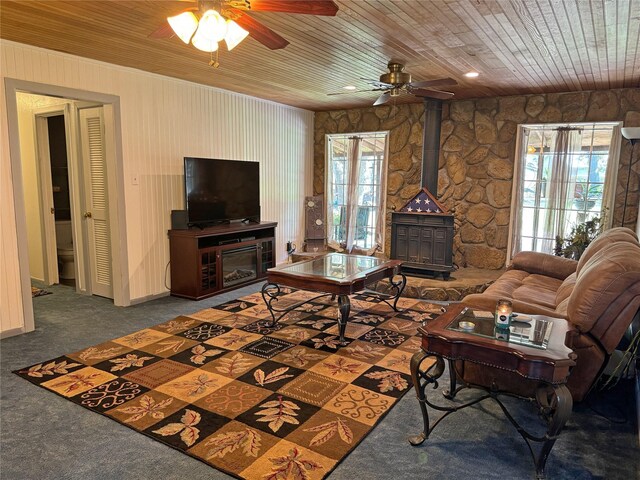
(211, 21)
(397, 82)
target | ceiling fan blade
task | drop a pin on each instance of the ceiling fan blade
(354, 91)
(165, 31)
(432, 94)
(439, 82)
(309, 7)
(377, 83)
(384, 98)
(259, 32)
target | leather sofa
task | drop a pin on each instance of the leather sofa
(599, 295)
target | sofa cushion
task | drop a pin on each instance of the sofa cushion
(543, 264)
(508, 282)
(562, 307)
(608, 281)
(537, 295)
(538, 289)
(526, 287)
(564, 291)
(617, 234)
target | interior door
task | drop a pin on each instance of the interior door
(96, 201)
(46, 200)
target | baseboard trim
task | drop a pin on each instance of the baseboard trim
(12, 332)
(148, 298)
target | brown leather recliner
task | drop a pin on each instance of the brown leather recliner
(599, 295)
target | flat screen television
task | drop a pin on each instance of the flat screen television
(220, 191)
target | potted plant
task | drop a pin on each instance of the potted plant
(580, 237)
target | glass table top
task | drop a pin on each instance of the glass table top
(335, 265)
(529, 330)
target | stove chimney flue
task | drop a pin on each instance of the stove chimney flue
(431, 144)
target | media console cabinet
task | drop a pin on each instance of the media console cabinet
(205, 262)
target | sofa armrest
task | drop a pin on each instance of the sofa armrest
(544, 264)
(482, 301)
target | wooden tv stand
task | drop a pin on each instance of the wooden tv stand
(205, 262)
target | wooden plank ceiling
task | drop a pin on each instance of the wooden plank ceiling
(517, 46)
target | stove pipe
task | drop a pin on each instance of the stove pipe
(431, 144)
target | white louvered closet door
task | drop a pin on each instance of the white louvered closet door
(96, 201)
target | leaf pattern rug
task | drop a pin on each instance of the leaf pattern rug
(252, 400)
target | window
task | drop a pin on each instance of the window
(565, 176)
(356, 174)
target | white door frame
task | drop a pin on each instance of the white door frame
(115, 186)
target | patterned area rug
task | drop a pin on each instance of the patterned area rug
(38, 292)
(255, 401)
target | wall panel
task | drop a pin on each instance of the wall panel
(163, 120)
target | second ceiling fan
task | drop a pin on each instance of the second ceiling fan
(397, 82)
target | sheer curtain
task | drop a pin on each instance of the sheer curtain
(353, 162)
(561, 184)
(609, 192)
(516, 194)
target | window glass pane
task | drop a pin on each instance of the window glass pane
(526, 243)
(529, 194)
(531, 168)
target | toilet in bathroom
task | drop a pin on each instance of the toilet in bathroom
(64, 241)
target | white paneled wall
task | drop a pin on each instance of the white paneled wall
(164, 120)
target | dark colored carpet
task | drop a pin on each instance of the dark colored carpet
(44, 436)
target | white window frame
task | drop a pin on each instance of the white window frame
(611, 180)
(382, 181)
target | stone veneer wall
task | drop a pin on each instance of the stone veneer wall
(476, 158)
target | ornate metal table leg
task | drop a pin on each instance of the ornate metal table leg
(555, 402)
(399, 288)
(420, 381)
(451, 392)
(344, 306)
(270, 293)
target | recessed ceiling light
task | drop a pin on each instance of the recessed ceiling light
(471, 74)
(349, 87)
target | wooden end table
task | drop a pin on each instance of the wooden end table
(535, 351)
(334, 274)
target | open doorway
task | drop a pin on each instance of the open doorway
(67, 213)
(22, 194)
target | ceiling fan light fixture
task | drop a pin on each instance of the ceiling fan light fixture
(204, 43)
(212, 26)
(472, 74)
(349, 87)
(235, 34)
(184, 25)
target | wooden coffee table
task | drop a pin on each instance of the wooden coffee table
(535, 352)
(335, 274)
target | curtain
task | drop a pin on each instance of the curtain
(351, 200)
(379, 199)
(516, 195)
(333, 239)
(561, 184)
(609, 192)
